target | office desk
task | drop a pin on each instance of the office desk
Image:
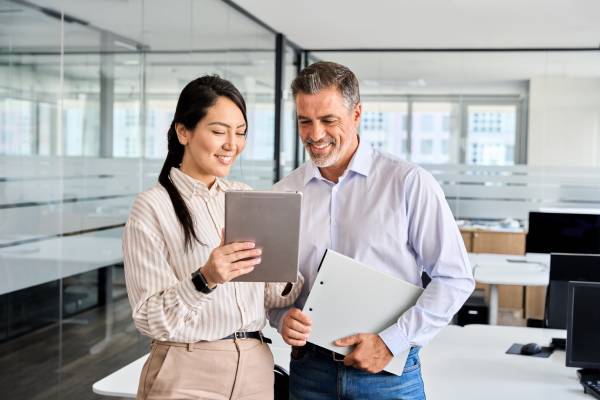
(460, 363)
(471, 364)
(502, 269)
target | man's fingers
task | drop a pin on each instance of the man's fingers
(348, 341)
(298, 326)
(294, 342)
(349, 360)
(294, 334)
(299, 316)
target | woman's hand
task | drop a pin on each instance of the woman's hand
(228, 261)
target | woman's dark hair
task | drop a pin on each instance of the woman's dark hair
(193, 104)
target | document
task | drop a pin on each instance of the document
(349, 297)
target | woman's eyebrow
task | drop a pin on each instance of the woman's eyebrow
(226, 125)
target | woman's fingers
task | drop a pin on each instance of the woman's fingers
(229, 270)
(245, 264)
(241, 271)
(238, 246)
(243, 254)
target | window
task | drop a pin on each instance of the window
(427, 147)
(435, 130)
(383, 126)
(491, 134)
(427, 122)
(430, 128)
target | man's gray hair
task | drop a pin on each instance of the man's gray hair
(325, 74)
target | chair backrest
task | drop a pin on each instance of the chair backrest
(282, 383)
(565, 268)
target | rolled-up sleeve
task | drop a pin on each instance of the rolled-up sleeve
(439, 249)
(162, 305)
(282, 294)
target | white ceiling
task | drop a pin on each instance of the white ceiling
(318, 24)
(182, 25)
(175, 25)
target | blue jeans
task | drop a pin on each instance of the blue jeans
(316, 376)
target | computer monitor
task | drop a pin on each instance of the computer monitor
(575, 267)
(565, 268)
(563, 233)
(583, 345)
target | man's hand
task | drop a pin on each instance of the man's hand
(371, 353)
(295, 327)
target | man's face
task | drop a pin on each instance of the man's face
(328, 129)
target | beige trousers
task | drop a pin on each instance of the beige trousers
(224, 369)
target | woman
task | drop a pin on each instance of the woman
(178, 270)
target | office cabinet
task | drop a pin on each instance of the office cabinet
(484, 241)
(535, 301)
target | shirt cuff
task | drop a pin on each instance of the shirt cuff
(395, 339)
(191, 296)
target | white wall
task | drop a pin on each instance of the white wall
(564, 122)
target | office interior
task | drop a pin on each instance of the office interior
(500, 102)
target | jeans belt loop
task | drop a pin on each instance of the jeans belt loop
(190, 347)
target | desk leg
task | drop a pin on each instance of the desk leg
(493, 312)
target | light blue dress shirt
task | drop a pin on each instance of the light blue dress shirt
(391, 215)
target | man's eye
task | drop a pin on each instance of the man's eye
(241, 133)
(304, 122)
(218, 133)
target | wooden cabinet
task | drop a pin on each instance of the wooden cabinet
(482, 241)
(535, 302)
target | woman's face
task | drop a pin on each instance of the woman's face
(214, 144)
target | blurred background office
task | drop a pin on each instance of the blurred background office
(499, 100)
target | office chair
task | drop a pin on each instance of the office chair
(282, 383)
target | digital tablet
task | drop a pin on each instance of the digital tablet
(272, 221)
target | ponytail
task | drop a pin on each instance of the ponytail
(193, 104)
(174, 158)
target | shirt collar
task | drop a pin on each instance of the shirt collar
(189, 187)
(360, 163)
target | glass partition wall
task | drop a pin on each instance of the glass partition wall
(87, 93)
(504, 132)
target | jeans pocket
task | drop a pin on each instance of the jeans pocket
(298, 353)
(413, 362)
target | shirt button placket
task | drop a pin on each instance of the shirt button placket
(332, 217)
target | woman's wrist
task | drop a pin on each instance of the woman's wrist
(209, 282)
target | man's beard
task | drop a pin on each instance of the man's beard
(323, 160)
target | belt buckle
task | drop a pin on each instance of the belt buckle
(240, 335)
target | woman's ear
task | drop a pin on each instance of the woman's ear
(182, 133)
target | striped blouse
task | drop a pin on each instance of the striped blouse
(165, 303)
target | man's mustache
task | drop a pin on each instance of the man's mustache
(320, 141)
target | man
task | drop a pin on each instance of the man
(384, 212)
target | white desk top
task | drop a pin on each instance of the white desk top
(460, 363)
(470, 363)
(34, 263)
(501, 269)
